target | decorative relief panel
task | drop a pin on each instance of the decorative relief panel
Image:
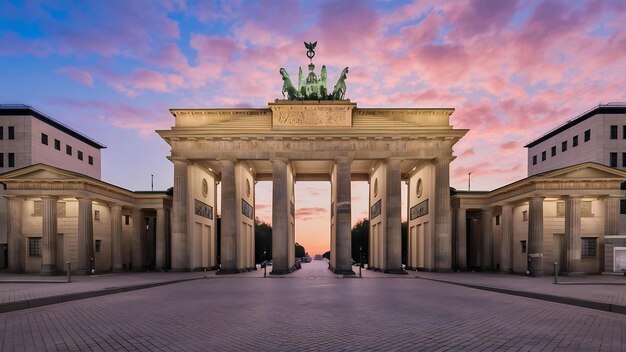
(203, 209)
(419, 210)
(311, 116)
(247, 209)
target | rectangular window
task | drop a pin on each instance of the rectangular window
(68, 150)
(588, 247)
(11, 159)
(57, 144)
(80, 155)
(575, 141)
(543, 156)
(553, 152)
(624, 132)
(613, 160)
(622, 206)
(587, 135)
(525, 215)
(11, 132)
(1, 159)
(613, 131)
(564, 146)
(34, 246)
(534, 160)
(497, 220)
(623, 159)
(126, 220)
(44, 139)
(96, 214)
(90, 160)
(98, 245)
(523, 245)
(1, 133)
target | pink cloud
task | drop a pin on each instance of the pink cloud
(77, 75)
(311, 213)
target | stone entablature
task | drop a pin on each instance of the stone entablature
(311, 114)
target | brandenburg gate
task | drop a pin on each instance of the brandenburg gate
(311, 136)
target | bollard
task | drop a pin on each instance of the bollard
(264, 271)
(360, 270)
(556, 272)
(68, 266)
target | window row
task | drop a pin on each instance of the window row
(587, 138)
(613, 159)
(614, 129)
(10, 130)
(68, 148)
(588, 246)
(34, 246)
(10, 159)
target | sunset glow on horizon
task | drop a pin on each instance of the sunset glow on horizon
(513, 70)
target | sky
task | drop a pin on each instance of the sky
(512, 70)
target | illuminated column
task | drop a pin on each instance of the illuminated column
(506, 246)
(85, 235)
(343, 221)
(229, 218)
(392, 209)
(138, 240)
(15, 239)
(535, 235)
(573, 206)
(461, 238)
(280, 218)
(180, 259)
(443, 224)
(611, 215)
(160, 239)
(49, 235)
(117, 261)
(487, 218)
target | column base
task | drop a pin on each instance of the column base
(343, 272)
(395, 271)
(49, 269)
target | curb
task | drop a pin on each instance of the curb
(44, 301)
(607, 307)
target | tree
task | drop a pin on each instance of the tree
(262, 241)
(300, 252)
(360, 241)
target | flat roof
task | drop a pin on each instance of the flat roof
(25, 110)
(610, 108)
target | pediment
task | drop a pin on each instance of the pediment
(39, 172)
(586, 171)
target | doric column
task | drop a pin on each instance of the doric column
(535, 235)
(487, 218)
(393, 205)
(229, 218)
(85, 235)
(461, 239)
(611, 215)
(49, 235)
(117, 261)
(443, 224)
(343, 221)
(160, 239)
(280, 218)
(573, 206)
(15, 240)
(506, 246)
(180, 259)
(138, 240)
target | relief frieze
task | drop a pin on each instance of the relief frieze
(311, 116)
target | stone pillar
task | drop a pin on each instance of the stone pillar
(117, 261)
(573, 206)
(611, 215)
(535, 235)
(461, 239)
(392, 209)
(443, 221)
(15, 239)
(49, 235)
(487, 219)
(138, 240)
(229, 219)
(506, 246)
(85, 235)
(160, 239)
(344, 216)
(280, 218)
(179, 255)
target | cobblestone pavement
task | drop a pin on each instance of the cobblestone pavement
(311, 313)
(600, 288)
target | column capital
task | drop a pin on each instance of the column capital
(345, 159)
(443, 159)
(282, 160)
(573, 196)
(49, 197)
(177, 159)
(536, 197)
(609, 196)
(85, 197)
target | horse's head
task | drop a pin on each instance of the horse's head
(284, 73)
(344, 73)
